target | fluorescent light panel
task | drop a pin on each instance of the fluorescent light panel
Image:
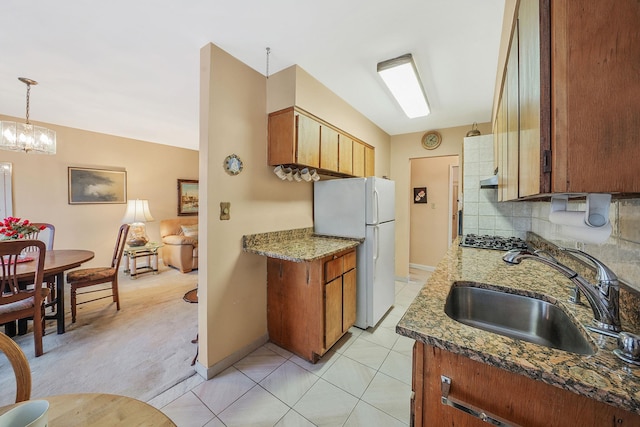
(401, 77)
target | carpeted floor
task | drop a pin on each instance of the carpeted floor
(139, 351)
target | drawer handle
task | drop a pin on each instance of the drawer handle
(487, 417)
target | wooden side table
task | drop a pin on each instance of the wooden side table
(148, 254)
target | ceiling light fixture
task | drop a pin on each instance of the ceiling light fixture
(25, 136)
(401, 77)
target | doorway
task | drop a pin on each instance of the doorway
(432, 217)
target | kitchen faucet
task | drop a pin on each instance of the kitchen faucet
(603, 296)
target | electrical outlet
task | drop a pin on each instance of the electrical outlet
(225, 210)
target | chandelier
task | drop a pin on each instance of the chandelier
(25, 136)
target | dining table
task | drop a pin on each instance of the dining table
(56, 263)
(99, 409)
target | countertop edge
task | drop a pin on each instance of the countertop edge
(300, 245)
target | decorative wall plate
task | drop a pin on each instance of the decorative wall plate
(233, 165)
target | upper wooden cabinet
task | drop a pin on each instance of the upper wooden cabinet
(358, 159)
(300, 139)
(328, 148)
(577, 98)
(345, 155)
(369, 161)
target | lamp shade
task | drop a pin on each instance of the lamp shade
(137, 211)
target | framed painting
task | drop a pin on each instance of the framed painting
(187, 197)
(420, 195)
(97, 186)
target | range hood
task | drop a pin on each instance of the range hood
(491, 182)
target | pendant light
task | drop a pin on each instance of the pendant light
(25, 136)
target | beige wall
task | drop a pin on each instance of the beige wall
(404, 148)
(40, 185)
(233, 283)
(429, 223)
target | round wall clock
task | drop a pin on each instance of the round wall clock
(431, 140)
(233, 165)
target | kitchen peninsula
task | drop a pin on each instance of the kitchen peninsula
(311, 288)
(518, 381)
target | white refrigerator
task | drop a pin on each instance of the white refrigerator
(362, 208)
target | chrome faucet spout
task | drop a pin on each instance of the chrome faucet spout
(603, 297)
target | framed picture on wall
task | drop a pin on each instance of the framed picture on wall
(97, 186)
(188, 197)
(420, 195)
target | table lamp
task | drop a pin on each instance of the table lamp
(136, 215)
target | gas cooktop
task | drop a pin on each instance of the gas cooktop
(493, 242)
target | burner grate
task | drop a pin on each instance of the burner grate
(493, 242)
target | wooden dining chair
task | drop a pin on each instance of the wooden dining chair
(85, 277)
(20, 365)
(19, 299)
(46, 234)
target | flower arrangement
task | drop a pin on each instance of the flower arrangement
(16, 228)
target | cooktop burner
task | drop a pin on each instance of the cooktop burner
(493, 242)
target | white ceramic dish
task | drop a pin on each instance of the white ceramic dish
(32, 413)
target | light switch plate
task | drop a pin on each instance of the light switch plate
(225, 210)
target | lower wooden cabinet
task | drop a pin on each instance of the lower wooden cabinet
(514, 398)
(310, 305)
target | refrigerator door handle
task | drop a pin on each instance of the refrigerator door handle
(376, 247)
(376, 207)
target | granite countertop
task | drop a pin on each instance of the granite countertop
(601, 376)
(299, 245)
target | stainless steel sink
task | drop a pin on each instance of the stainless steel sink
(516, 316)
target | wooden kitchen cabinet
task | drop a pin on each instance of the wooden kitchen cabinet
(345, 155)
(311, 305)
(512, 397)
(294, 138)
(328, 148)
(579, 118)
(299, 139)
(369, 161)
(358, 159)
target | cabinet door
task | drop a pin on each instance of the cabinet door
(511, 396)
(528, 26)
(595, 93)
(369, 161)
(348, 299)
(513, 121)
(308, 142)
(281, 148)
(358, 159)
(328, 148)
(345, 159)
(333, 311)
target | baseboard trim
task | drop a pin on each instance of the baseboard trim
(422, 267)
(212, 371)
(402, 279)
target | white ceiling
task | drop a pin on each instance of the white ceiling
(131, 67)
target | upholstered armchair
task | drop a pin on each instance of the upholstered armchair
(180, 239)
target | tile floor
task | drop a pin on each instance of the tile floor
(364, 380)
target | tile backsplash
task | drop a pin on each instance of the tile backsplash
(483, 214)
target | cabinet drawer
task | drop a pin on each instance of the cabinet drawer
(349, 261)
(333, 269)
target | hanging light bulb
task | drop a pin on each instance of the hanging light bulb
(25, 136)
